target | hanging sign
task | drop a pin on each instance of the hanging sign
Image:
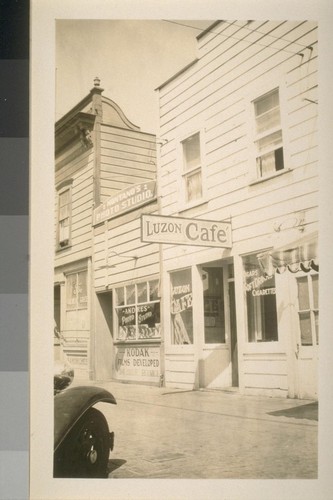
(125, 201)
(182, 231)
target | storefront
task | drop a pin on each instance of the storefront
(72, 316)
(128, 328)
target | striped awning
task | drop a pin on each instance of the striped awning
(300, 255)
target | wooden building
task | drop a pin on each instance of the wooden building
(239, 128)
(99, 155)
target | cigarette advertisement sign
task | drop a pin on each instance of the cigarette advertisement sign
(182, 231)
(125, 201)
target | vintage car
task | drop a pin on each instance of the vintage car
(82, 441)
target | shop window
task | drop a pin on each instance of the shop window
(192, 175)
(64, 217)
(260, 301)
(76, 291)
(268, 134)
(137, 308)
(212, 278)
(181, 307)
(308, 312)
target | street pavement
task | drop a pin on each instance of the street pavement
(209, 434)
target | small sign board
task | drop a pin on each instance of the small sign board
(125, 201)
(182, 231)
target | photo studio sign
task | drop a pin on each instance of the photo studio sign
(182, 231)
(125, 201)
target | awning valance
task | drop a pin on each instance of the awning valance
(300, 255)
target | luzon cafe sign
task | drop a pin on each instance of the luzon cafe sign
(125, 201)
(181, 231)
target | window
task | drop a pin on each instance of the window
(192, 168)
(268, 134)
(181, 307)
(308, 312)
(76, 291)
(260, 301)
(212, 278)
(138, 311)
(64, 217)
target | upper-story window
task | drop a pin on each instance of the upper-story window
(268, 134)
(192, 174)
(64, 217)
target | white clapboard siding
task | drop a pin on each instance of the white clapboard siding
(127, 158)
(230, 68)
(231, 83)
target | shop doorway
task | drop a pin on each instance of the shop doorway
(307, 341)
(103, 341)
(218, 357)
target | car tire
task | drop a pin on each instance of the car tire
(85, 451)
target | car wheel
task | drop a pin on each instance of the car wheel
(85, 451)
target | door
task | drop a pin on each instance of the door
(218, 358)
(307, 335)
(233, 335)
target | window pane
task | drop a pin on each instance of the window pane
(120, 296)
(82, 290)
(268, 121)
(126, 323)
(64, 198)
(193, 186)
(303, 293)
(149, 321)
(191, 150)
(153, 290)
(181, 307)
(270, 142)
(213, 305)
(261, 302)
(266, 102)
(64, 230)
(130, 294)
(305, 325)
(315, 282)
(142, 292)
(71, 291)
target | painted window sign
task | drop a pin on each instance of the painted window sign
(76, 291)
(138, 311)
(260, 301)
(125, 201)
(181, 307)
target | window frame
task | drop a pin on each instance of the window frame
(136, 304)
(76, 274)
(311, 310)
(259, 306)
(256, 91)
(258, 136)
(68, 241)
(185, 204)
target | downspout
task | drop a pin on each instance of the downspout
(96, 100)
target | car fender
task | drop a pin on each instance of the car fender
(71, 404)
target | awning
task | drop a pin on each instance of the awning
(299, 255)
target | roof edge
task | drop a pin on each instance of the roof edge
(208, 29)
(177, 74)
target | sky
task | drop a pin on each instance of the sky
(131, 58)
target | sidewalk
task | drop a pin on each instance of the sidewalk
(170, 433)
